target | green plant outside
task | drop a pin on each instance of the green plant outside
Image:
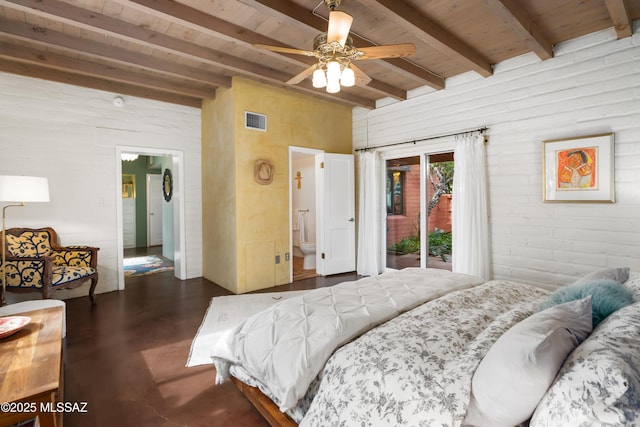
(439, 244)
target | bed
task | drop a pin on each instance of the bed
(429, 347)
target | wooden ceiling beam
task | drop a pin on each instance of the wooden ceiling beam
(68, 14)
(35, 71)
(182, 14)
(433, 34)
(49, 37)
(386, 89)
(297, 14)
(102, 24)
(92, 69)
(620, 17)
(519, 21)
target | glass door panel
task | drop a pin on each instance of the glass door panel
(402, 195)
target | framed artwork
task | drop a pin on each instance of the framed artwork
(128, 186)
(579, 169)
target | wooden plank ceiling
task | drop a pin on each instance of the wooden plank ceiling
(182, 51)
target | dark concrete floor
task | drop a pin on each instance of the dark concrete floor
(125, 357)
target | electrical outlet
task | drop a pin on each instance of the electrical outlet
(277, 259)
(286, 256)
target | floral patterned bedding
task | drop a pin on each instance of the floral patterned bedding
(417, 368)
(599, 383)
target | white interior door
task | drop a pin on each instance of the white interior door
(337, 253)
(154, 211)
(129, 222)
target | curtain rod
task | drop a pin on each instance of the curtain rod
(482, 130)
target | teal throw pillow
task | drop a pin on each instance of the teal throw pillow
(607, 296)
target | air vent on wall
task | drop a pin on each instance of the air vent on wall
(255, 121)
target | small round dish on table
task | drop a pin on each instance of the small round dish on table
(11, 324)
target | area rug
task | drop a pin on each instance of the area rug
(150, 264)
(225, 313)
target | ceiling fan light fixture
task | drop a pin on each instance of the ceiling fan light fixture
(319, 78)
(333, 71)
(333, 86)
(336, 54)
(348, 78)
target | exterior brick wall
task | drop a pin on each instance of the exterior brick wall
(407, 225)
(440, 217)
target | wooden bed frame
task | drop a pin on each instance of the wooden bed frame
(264, 405)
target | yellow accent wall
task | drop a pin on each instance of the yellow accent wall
(245, 224)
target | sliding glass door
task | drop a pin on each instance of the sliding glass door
(418, 197)
(402, 195)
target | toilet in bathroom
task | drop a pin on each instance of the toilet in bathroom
(309, 251)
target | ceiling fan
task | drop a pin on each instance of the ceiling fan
(335, 53)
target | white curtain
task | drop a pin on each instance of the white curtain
(469, 218)
(368, 261)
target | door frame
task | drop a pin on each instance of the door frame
(317, 154)
(422, 150)
(424, 240)
(179, 226)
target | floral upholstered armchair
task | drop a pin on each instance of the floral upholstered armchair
(35, 262)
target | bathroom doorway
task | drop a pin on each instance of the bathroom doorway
(303, 201)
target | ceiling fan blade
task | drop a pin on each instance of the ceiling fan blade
(339, 26)
(388, 51)
(361, 78)
(303, 75)
(284, 49)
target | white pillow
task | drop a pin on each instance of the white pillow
(521, 365)
(633, 284)
(599, 383)
(620, 275)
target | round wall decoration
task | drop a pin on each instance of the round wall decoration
(167, 185)
(263, 172)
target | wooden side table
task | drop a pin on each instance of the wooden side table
(31, 369)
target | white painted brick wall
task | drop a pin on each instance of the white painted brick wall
(69, 134)
(591, 86)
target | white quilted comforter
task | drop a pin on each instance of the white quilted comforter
(416, 369)
(284, 347)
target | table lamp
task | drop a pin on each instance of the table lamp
(19, 190)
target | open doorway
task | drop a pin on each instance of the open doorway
(145, 249)
(152, 186)
(408, 212)
(304, 215)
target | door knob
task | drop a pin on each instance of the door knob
(351, 219)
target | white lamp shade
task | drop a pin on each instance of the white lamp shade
(14, 188)
(348, 78)
(333, 86)
(319, 79)
(333, 71)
